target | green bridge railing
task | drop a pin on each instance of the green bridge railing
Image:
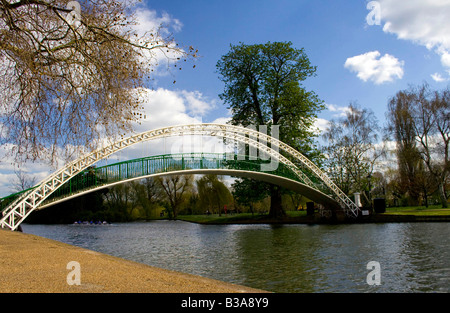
(95, 177)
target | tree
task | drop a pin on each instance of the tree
(176, 188)
(23, 181)
(428, 112)
(352, 151)
(432, 121)
(146, 195)
(117, 199)
(71, 73)
(401, 128)
(247, 192)
(212, 192)
(263, 87)
(153, 194)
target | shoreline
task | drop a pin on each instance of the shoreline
(311, 220)
(33, 264)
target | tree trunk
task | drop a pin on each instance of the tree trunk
(442, 195)
(425, 197)
(276, 208)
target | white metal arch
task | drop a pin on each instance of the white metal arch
(17, 211)
(309, 192)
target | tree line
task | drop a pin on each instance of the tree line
(419, 123)
(162, 196)
(409, 165)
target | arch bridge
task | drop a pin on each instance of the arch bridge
(80, 176)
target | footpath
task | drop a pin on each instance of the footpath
(32, 264)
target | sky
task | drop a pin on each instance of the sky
(365, 52)
(357, 60)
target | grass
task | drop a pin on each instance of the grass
(300, 216)
(235, 218)
(432, 210)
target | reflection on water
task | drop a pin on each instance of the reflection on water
(285, 258)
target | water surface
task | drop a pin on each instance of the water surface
(413, 257)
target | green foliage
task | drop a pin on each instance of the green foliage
(263, 87)
(247, 192)
(213, 194)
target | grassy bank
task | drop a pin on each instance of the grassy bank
(291, 217)
(432, 210)
(397, 214)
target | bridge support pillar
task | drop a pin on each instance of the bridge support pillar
(309, 208)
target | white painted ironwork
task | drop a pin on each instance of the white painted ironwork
(15, 213)
(309, 192)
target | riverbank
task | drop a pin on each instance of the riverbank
(395, 215)
(379, 218)
(32, 264)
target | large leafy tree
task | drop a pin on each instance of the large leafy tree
(247, 192)
(71, 72)
(263, 87)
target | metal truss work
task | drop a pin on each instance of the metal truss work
(97, 178)
(17, 211)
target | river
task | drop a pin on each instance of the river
(408, 257)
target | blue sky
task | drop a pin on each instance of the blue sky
(330, 31)
(356, 62)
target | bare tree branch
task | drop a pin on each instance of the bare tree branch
(68, 82)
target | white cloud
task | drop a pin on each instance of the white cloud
(9, 168)
(196, 103)
(150, 21)
(321, 124)
(370, 67)
(339, 111)
(221, 120)
(153, 29)
(438, 78)
(445, 59)
(164, 107)
(425, 22)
